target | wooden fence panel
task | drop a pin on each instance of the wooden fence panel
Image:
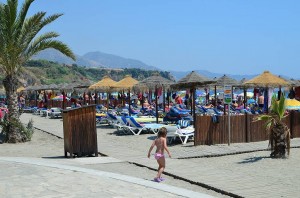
(295, 124)
(243, 129)
(238, 128)
(257, 131)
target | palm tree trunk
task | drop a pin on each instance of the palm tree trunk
(13, 133)
(279, 141)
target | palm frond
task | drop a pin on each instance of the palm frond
(30, 29)
(18, 34)
(274, 104)
(281, 107)
(24, 10)
(45, 44)
(50, 19)
(268, 125)
(262, 117)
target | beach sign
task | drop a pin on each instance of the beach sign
(227, 94)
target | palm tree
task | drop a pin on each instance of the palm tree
(20, 39)
(278, 131)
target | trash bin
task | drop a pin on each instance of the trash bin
(80, 133)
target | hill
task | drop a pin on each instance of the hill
(104, 60)
(48, 72)
(93, 59)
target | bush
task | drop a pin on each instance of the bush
(25, 132)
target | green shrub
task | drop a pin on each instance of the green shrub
(25, 132)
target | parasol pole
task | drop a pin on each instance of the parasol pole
(83, 98)
(129, 102)
(164, 100)
(215, 95)
(107, 101)
(168, 98)
(63, 102)
(36, 96)
(156, 107)
(194, 107)
(245, 97)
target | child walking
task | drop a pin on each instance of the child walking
(161, 144)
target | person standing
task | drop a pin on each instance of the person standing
(161, 144)
(261, 101)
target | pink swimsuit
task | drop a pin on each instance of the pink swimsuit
(158, 155)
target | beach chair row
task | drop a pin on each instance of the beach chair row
(129, 125)
(53, 112)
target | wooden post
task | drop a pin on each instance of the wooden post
(156, 104)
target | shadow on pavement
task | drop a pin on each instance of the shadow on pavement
(252, 159)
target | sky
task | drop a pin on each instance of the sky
(223, 36)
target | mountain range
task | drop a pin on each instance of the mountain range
(104, 60)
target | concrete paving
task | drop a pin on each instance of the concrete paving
(192, 168)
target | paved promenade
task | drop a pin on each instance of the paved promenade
(251, 174)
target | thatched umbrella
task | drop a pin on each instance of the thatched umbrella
(266, 80)
(154, 82)
(192, 81)
(222, 81)
(226, 80)
(34, 88)
(292, 82)
(242, 85)
(126, 83)
(103, 85)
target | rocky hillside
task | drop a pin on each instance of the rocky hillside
(93, 59)
(48, 72)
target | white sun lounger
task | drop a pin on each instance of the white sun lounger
(185, 134)
(136, 127)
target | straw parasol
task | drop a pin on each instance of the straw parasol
(293, 82)
(126, 83)
(154, 82)
(192, 81)
(226, 80)
(103, 85)
(222, 81)
(266, 80)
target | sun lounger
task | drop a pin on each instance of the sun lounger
(122, 125)
(171, 133)
(55, 112)
(111, 119)
(136, 127)
(183, 123)
(185, 134)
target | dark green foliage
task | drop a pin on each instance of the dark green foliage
(25, 132)
(50, 72)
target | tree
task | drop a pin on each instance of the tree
(278, 131)
(20, 39)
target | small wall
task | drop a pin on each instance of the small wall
(242, 129)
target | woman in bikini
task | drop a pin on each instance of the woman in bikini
(161, 144)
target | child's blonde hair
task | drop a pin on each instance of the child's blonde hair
(162, 132)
